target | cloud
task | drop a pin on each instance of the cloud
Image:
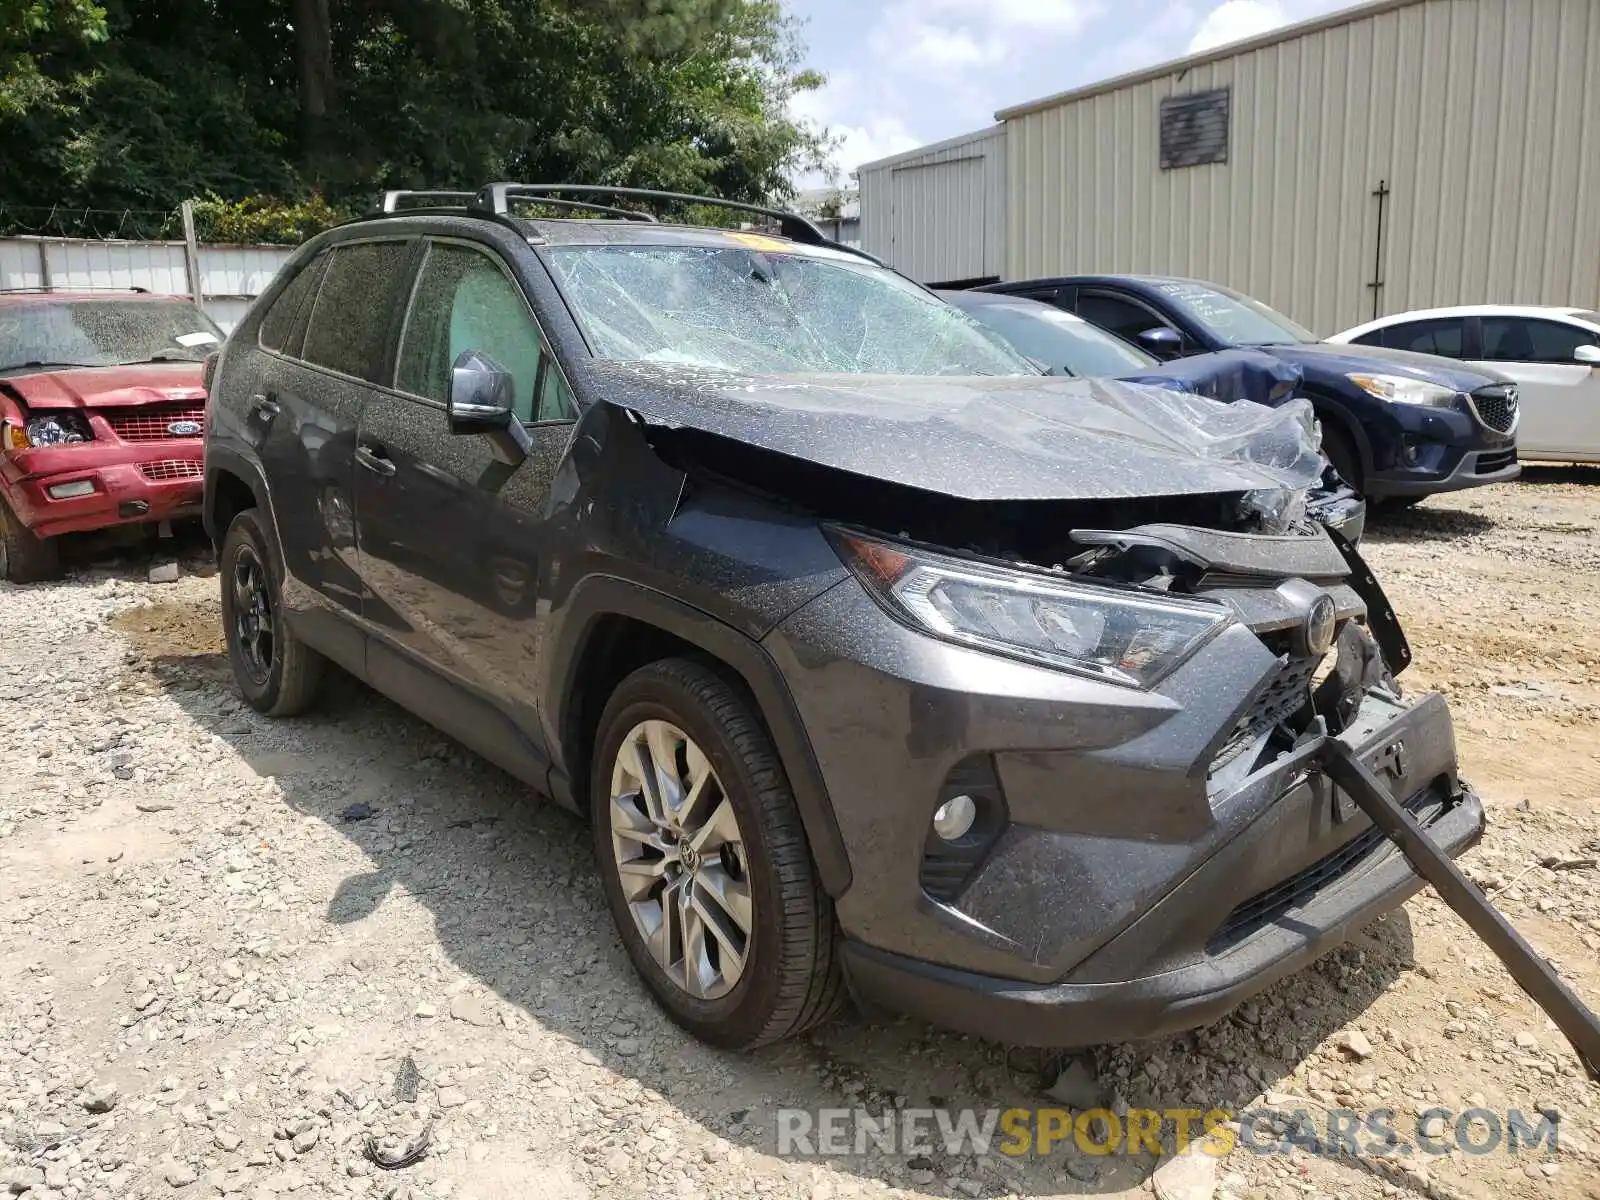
(863, 132)
(914, 35)
(1235, 20)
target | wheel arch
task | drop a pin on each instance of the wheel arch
(1331, 412)
(232, 485)
(619, 626)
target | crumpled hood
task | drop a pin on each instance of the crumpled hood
(1008, 438)
(1315, 357)
(106, 387)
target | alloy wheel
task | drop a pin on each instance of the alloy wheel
(680, 856)
(254, 623)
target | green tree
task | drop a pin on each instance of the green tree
(302, 98)
(34, 36)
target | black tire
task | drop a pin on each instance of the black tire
(25, 557)
(280, 675)
(791, 977)
(1340, 450)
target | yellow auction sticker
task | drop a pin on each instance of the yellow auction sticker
(761, 241)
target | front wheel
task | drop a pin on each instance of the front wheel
(24, 556)
(705, 863)
(277, 673)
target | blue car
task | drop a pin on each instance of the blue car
(1064, 344)
(1397, 425)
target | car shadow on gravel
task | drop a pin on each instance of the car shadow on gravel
(1422, 523)
(512, 894)
(1550, 474)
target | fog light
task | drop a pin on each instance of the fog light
(954, 818)
(66, 491)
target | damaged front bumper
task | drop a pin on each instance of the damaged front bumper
(1165, 973)
(1146, 858)
(92, 485)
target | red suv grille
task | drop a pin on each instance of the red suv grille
(150, 423)
(173, 468)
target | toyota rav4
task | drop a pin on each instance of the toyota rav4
(873, 655)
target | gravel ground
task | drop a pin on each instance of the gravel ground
(210, 981)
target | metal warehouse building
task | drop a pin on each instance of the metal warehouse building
(1402, 154)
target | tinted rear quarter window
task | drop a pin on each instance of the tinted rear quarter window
(1446, 338)
(283, 327)
(353, 314)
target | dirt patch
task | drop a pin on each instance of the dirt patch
(169, 629)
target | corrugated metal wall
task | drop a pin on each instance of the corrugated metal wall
(1482, 116)
(938, 214)
(230, 276)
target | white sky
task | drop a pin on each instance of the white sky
(905, 73)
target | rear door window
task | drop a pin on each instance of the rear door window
(1446, 337)
(1048, 295)
(1123, 317)
(1518, 339)
(353, 314)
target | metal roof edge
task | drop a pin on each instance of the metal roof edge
(949, 143)
(1285, 33)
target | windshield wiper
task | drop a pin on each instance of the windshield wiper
(155, 358)
(39, 364)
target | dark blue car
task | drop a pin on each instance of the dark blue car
(1064, 344)
(1395, 424)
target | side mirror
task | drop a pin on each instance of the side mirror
(1162, 341)
(482, 399)
(1587, 354)
(481, 394)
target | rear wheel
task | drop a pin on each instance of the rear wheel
(24, 556)
(705, 863)
(277, 673)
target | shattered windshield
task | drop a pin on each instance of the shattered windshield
(104, 333)
(762, 311)
(1234, 318)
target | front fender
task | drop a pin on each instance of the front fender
(599, 596)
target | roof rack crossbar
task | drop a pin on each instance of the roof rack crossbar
(496, 197)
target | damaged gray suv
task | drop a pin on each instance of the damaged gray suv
(879, 661)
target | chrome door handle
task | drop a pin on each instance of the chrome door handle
(264, 404)
(374, 460)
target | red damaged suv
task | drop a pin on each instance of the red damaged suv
(102, 417)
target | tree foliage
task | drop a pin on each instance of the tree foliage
(150, 102)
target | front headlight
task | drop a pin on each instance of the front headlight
(1115, 634)
(57, 429)
(1403, 390)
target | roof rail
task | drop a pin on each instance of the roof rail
(393, 202)
(47, 288)
(497, 197)
(627, 214)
